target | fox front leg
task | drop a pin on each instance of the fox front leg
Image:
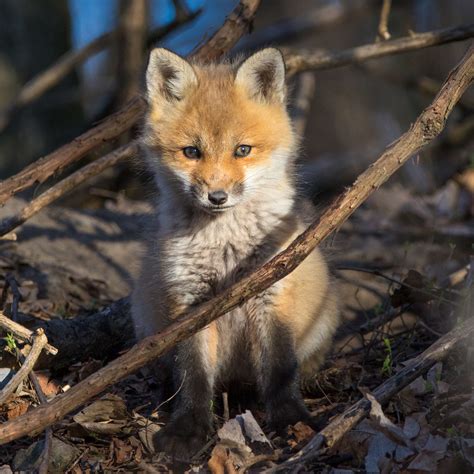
(278, 376)
(191, 420)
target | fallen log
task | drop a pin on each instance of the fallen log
(427, 126)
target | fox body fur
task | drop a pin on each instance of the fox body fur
(220, 143)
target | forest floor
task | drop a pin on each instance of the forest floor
(404, 263)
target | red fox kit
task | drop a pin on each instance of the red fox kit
(220, 143)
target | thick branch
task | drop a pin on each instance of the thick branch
(66, 185)
(233, 28)
(327, 60)
(428, 125)
(334, 432)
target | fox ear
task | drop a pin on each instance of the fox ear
(263, 76)
(168, 76)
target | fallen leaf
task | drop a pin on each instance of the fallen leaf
(229, 457)
(433, 451)
(301, 433)
(147, 430)
(105, 416)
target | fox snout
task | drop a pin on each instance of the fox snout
(218, 197)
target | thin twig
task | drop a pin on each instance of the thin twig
(22, 333)
(321, 59)
(39, 342)
(427, 126)
(382, 30)
(66, 185)
(48, 437)
(302, 102)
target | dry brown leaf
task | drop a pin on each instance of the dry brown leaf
(105, 416)
(229, 457)
(301, 433)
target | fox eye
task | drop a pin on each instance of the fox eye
(192, 152)
(242, 151)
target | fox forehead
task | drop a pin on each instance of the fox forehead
(217, 115)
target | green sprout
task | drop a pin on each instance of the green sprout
(388, 361)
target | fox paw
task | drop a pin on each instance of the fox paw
(181, 440)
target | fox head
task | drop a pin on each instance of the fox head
(219, 134)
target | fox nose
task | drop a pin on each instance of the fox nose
(217, 197)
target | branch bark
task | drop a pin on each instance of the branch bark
(66, 185)
(328, 60)
(382, 30)
(428, 125)
(22, 333)
(39, 341)
(225, 38)
(334, 432)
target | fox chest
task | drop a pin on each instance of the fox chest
(198, 266)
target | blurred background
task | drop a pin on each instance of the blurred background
(354, 111)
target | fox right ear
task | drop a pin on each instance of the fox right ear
(168, 76)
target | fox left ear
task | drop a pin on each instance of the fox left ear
(263, 76)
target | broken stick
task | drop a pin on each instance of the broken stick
(39, 341)
(428, 125)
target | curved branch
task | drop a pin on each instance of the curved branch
(428, 125)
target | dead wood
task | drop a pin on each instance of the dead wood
(334, 432)
(66, 185)
(236, 24)
(298, 62)
(234, 27)
(22, 333)
(39, 341)
(382, 30)
(427, 127)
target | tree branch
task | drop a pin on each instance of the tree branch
(321, 59)
(66, 185)
(223, 40)
(428, 125)
(125, 118)
(39, 341)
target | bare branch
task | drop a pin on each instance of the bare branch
(428, 125)
(296, 62)
(225, 38)
(66, 185)
(382, 30)
(39, 341)
(22, 333)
